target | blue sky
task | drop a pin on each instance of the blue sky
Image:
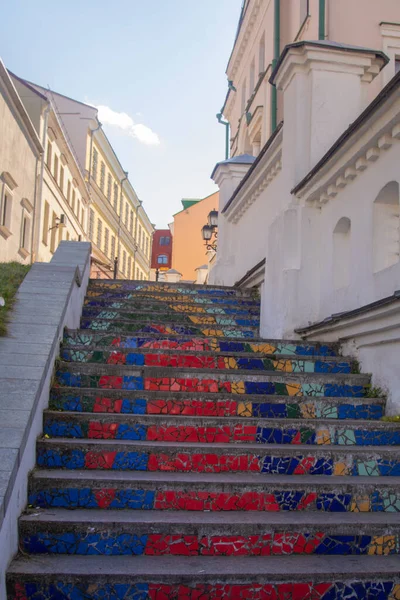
(162, 63)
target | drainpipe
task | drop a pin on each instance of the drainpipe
(219, 117)
(277, 52)
(135, 238)
(116, 260)
(37, 204)
(322, 16)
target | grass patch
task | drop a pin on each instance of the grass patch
(11, 276)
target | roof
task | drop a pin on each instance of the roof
(324, 44)
(173, 272)
(241, 159)
(191, 202)
(202, 267)
(186, 203)
(380, 99)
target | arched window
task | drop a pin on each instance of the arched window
(341, 253)
(162, 259)
(386, 213)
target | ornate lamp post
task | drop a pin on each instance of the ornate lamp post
(209, 231)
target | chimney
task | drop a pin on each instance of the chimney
(325, 89)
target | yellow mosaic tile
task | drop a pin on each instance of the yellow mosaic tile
(361, 504)
(212, 332)
(341, 469)
(263, 348)
(237, 387)
(395, 593)
(323, 436)
(283, 365)
(230, 362)
(293, 389)
(307, 411)
(382, 545)
(214, 345)
(245, 409)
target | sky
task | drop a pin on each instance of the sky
(156, 69)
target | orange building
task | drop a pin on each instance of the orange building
(188, 251)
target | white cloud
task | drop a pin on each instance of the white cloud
(141, 132)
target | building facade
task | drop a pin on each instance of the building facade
(161, 255)
(116, 222)
(189, 251)
(20, 157)
(313, 220)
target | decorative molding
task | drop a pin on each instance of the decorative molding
(25, 203)
(52, 134)
(63, 159)
(9, 180)
(243, 40)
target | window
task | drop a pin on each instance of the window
(109, 186)
(95, 163)
(55, 173)
(68, 236)
(78, 208)
(45, 233)
(139, 241)
(49, 155)
(106, 239)
(116, 197)
(397, 65)
(53, 232)
(124, 262)
(386, 221)
(147, 246)
(137, 272)
(62, 178)
(6, 205)
(131, 222)
(91, 223)
(113, 247)
(162, 259)
(99, 232)
(261, 55)
(69, 192)
(165, 241)
(129, 267)
(102, 176)
(73, 201)
(126, 214)
(25, 233)
(82, 216)
(243, 96)
(252, 76)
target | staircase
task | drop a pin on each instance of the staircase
(185, 458)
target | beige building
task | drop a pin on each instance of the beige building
(111, 215)
(253, 107)
(62, 193)
(20, 159)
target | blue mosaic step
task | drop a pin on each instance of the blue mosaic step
(163, 303)
(197, 344)
(201, 360)
(157, 533)
(165, 288)
(149, 578)
(227, 430)
(214, 405)
(281, 459)
(215, 492)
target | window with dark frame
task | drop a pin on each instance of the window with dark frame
(162, 259)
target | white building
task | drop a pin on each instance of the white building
(314, 219)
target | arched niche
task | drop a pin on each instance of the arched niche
(341, 253)
(386, 213)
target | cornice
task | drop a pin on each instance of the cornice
(243, 39)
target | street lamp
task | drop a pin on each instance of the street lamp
(209, 231)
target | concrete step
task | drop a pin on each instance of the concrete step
(214, 405)
(209, 380)
(215, 492)
(189, 343)
(279, 577)
(170, 317)
(161, 428)
(164, 287)
(160, 533)
(201, 360)
(161, 304)
(218, 457)
(125, 326)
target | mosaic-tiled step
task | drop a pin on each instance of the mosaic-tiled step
(125, 326)
(170, 297)
(208, 534)
(177, 307)
(50, 577)
(144, 316)
(169, 358)
(218, 405)
(213, 381)
(138, 490)
(189, 289)
(191, 344)
(226, 430)
(218, 458)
